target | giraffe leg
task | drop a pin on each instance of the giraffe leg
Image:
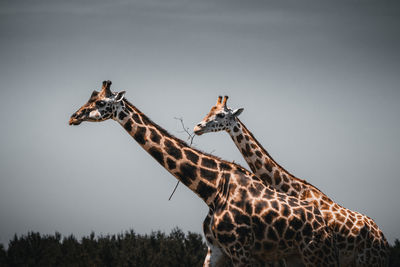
(292, 261)
(215, 257)
(364, 261)
(284, 263)
(274, 264)
(317, 254)
(208, 258)
(373, 253)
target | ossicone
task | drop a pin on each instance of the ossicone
(106, 88)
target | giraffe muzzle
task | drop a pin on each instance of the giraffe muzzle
(74, 121)
(198, 130)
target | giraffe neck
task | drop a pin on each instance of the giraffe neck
(203, 174)
(264, 166)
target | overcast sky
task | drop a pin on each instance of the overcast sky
(318, 81)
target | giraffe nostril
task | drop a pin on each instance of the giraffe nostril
(199, 125)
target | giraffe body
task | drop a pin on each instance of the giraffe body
(359, 239)
(248, 221)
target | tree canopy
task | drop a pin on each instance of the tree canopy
(127, 249)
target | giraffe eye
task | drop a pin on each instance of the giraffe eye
(100, 103)
(220, 115)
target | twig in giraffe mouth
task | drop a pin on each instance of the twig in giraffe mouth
(198, 132)
(186, 130)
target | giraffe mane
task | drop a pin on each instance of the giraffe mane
(279, 166)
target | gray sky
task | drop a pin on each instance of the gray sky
(319, 81)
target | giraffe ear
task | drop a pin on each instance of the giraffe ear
(237, 112)
(119, 96)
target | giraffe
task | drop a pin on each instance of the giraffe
(249, 221)
(359, 239)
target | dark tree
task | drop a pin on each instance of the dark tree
(128, 249)
(394, 259)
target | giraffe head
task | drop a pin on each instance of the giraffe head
(219, 118)
(101, 106)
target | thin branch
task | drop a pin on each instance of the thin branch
(190, 138)
(191, 135)
(176, 186)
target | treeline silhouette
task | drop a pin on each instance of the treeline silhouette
(128, 249)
